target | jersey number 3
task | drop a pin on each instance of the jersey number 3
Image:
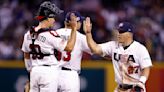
(65, 58)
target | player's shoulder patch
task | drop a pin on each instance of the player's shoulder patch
(54, 33)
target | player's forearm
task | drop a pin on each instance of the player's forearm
(95, 48)
(27, 61)
(71, 41)
(145, 73)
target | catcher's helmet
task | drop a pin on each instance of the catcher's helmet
(48, 9)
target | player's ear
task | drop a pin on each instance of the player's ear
(66, 23)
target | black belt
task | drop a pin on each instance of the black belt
(68, 69)
(46, 65)
(64, 68)
(125, 86)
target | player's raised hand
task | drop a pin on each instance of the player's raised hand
(87, 25)
(73, 21)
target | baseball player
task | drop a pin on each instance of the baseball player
(70, 62)
(131, 60)
(38, 47)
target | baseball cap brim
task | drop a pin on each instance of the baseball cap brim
(125, 27)
(77, 14)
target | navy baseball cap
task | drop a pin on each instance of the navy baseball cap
(77, 14)
(125, 27)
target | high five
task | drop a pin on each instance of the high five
(131, 60)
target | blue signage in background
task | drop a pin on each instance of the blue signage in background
(92, 80)
(14, 79)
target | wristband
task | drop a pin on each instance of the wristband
(28, 64)
(143, 79)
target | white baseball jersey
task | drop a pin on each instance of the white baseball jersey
(128, 62)
(69, 80)
(73, 60)
(45, 43)
(45, 70)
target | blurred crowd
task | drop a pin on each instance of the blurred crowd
(147, 16)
